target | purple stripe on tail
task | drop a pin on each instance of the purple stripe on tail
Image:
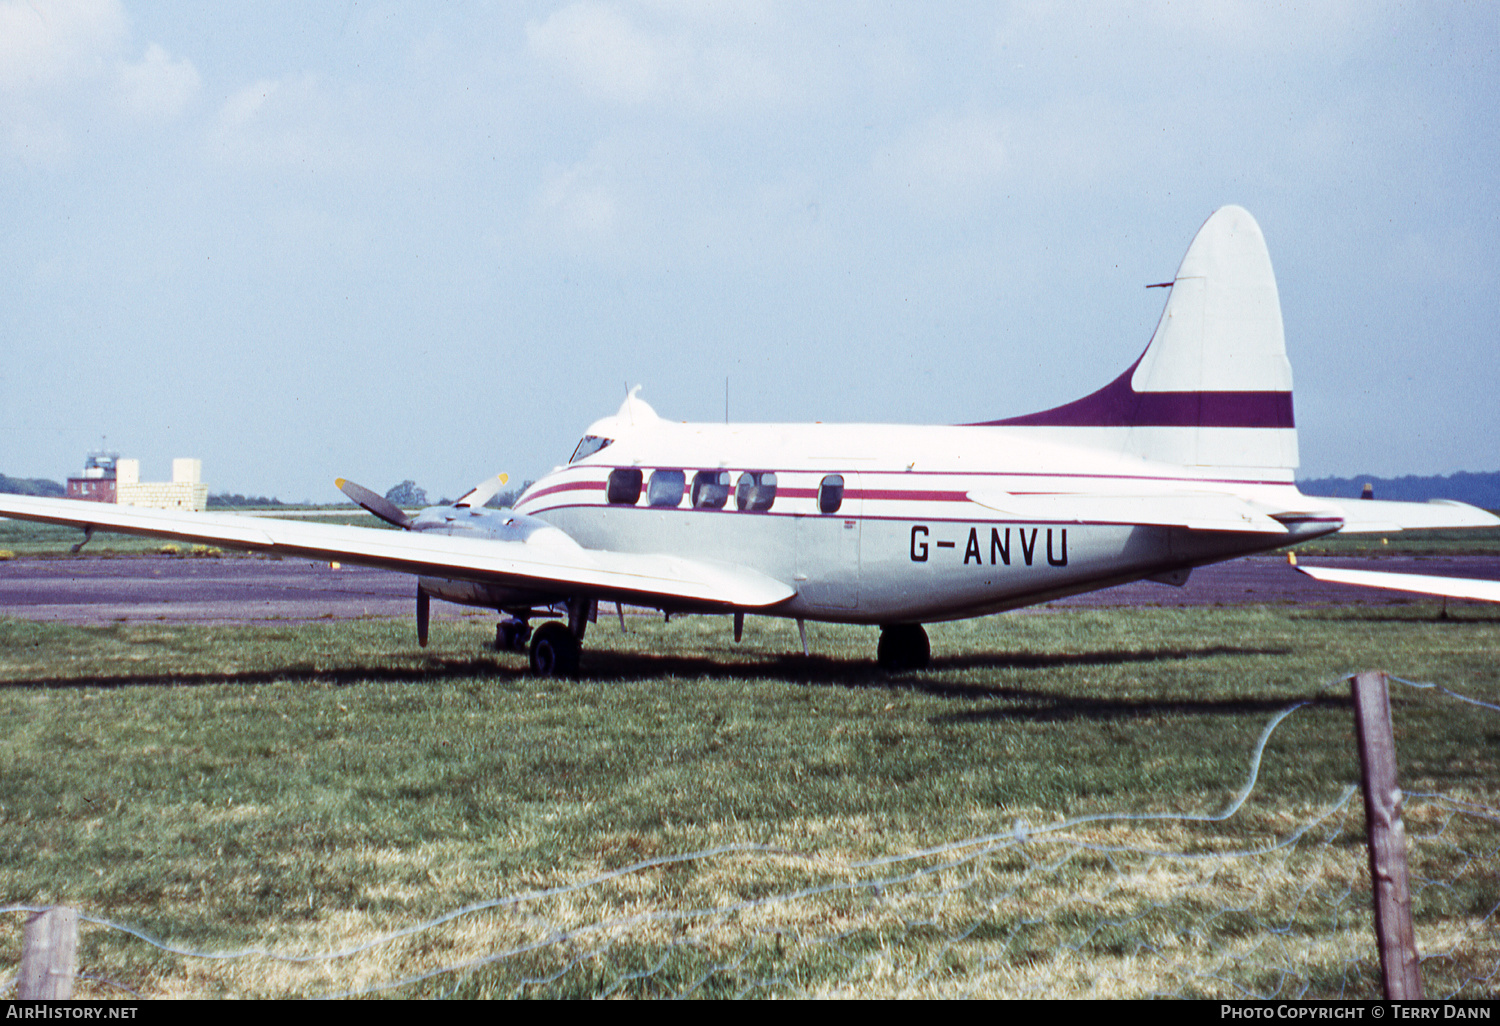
(1119, 405)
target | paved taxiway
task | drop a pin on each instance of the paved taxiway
(91, 589)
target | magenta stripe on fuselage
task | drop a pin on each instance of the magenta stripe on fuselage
(569, 486)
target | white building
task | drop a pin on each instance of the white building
(185, 491)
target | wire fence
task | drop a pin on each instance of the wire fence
(1134, 904)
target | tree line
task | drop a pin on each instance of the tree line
(408, 495)
(31, 486)
(1482, 490)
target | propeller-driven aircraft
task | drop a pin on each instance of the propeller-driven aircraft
(1183, 460)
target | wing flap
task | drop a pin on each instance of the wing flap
(1196, 511)
(485, 560)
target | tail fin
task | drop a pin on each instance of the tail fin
(1214, 388)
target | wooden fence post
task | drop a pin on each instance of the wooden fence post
(48, 943)
(1400, 964)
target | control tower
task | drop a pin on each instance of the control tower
(97, 482)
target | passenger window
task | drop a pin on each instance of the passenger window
(710, 489)
(755, 492)
(666, 488)
(624, 486)
(831, 493)
(590, 445)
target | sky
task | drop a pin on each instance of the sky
(392, 241)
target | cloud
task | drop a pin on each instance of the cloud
(577, 209)
(156, 88)
(292, 121)
(62, 67)
(636, 199)
(604, 53)
(1232, 29)
(700, 59)
(47, 44)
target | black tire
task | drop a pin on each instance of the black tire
(903, 646)
(554, 651)
(512, 635)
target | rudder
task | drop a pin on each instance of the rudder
(1214, 387)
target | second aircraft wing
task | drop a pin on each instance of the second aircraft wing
(1422, 584)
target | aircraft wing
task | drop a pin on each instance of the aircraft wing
(556, 564)
(1193, 510)
(1377, 516)
(1423, 584)
(1209, 512)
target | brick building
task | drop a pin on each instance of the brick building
(107, 478)
(97, 482)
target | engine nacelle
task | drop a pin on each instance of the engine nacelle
(486, 596)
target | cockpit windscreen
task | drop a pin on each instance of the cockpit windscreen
(590, 445)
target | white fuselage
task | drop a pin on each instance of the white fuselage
(905, 543)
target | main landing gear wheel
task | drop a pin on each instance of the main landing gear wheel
(512, 635)
(554, 651)
(903, 646)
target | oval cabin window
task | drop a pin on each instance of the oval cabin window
(755, 492)
(624, 488)
(831, 493)
(710, 489)
(666, 488)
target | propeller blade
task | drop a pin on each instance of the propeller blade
(483, 492)
(382, 507)
(424, 607)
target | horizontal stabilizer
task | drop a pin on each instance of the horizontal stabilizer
(1422, 584)
(550, 567)
(1377, 516)
(1194, 511)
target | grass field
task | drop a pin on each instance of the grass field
(313, 788)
